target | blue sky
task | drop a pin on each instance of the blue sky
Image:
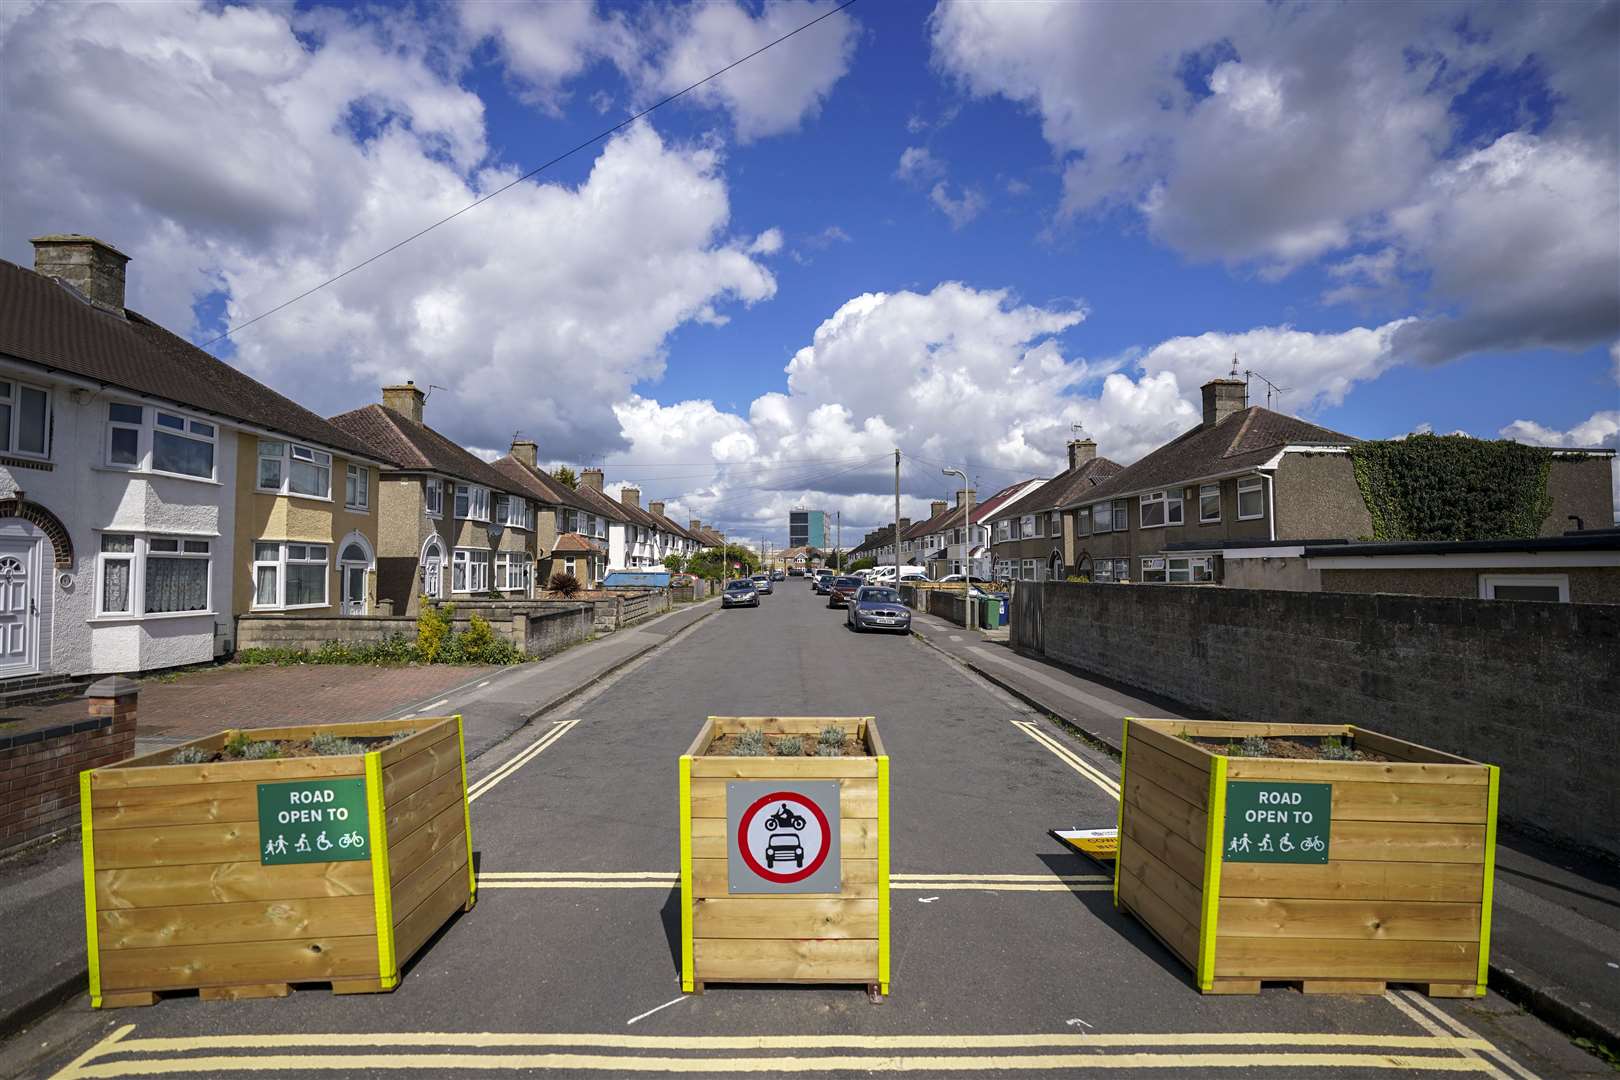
(976, 225)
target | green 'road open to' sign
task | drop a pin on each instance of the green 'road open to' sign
(1275, 822)
(307, 821)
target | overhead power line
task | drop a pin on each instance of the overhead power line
(592, 141)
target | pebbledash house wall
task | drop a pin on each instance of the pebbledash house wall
(89, 498)
(1532, 687)
(404, 527)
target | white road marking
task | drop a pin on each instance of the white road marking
(409, 716)
(926, 899)
(660, 1008)
(436, 704)
(1460, 1028)
(483, 684)
(1432, 1028)
(1075, 1020)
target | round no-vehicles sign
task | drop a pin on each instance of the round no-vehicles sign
(782, 837)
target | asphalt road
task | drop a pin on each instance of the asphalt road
(568, 965)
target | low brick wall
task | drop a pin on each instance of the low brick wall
(536, 627)
(39, 769)
(1530, 687)
(686, 594)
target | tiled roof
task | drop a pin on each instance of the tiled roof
(1247, 438)
(572, 544)
(537, 483)
(951, 518)
(670, 527)
(601, 504)
(415, 447)
(43, 323)
(1061, 490)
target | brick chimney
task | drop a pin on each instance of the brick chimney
(591, 478)
(936, 508)
(630, 496)
(526, 452)
(405, 399)
(695, 524)
(1081, 451)
(1222, 398)
(961, 494)
(656, 508)
(93, 267)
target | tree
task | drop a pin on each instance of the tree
(675, 563)
(565, 476)
(717, 564)
(863, 564)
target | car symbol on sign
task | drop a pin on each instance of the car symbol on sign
(783, 846)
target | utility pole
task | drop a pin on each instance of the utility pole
(897, 518)
(967, 547)
(838, 541)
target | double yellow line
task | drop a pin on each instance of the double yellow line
(533, 750)
(655, 879)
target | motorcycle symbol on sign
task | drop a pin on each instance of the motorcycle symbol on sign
(785, 819)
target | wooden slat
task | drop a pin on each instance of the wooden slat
(192, 804)
(226, 772)
(1179, 855)
(423, 805)
(435, 729)
(1392, 772)
(858, 838)
(421, 883)
(741, 960)
(1182, 818)
(1172, 774)
(248, 920)
(215, 741)
(182, 966)
(224, 883)
(420, 769)
(1401, 750)
(705, 736)
(178, 845)
(857, 880)
(788, 770)
(1239, 729)
(413, 931)
(874, 740)
(786, 725)
(1177, 934)
(1168, 741)
(1455, 882)
(1396, 920)
(857, 799)
(449, 827)
(1406, 841)
(1463, 803)
(1327, 958)
(245, 991)
(785, 917)
(1185, 897)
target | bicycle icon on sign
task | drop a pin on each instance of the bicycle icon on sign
(1313, 843)
(784, 819)
(351, 840)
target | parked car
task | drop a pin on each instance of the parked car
(762, 583)
(740, 593)
(779, 574)
(822, 581)
(842, 590)
(884, 575)
(957, 579)
(877, 607)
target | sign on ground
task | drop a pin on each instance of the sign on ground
(1274, 822)
(307, 821)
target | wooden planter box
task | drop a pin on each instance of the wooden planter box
(179, 894)
(1397, 886)
(731, 934)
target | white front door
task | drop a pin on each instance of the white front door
(354, 589)
(433, 571)
(19, 612)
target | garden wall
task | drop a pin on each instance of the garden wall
(1534, 688)
(537, 628)
(40, 765)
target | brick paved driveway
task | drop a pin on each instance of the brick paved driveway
(196, 703)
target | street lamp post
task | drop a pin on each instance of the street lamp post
(967, 547)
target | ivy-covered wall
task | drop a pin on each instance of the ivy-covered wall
(1453, 487)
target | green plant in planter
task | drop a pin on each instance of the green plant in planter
(790, 746)
(1334, 748)
(190, 755)
(1252, 746)
(750, 744)
(824, 750)
(328, 745)
(236, 746)
(262, 750)
(831, 736)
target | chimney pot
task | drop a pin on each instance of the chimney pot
(405, 399)
(657, 508)
(937, 507)
(591, 478)
(630, 496)
(960, 495)
(1222, 398)
(526, 452)
(1081, 451)
(695, 524)
(93, 267)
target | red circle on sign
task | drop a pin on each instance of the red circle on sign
(771, 875)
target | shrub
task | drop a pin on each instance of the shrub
(823, 750)
(1453, 487)
(790, 746)
(1334, 748)
(271, 656)
(433, 627)
(190, 755)
(565, 584)
(832, 735)
(1252, 746)
(261, 750)
(236, 746)
(326, 744)
(479, 645)
(750, 744)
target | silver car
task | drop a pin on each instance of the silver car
(740, 593)
(876, 607)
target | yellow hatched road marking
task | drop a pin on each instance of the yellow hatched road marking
(534, 749)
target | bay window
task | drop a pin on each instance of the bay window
(287, 468)
(1003, 530)
(1026, 526)
(512, 571)
(157, 440)
(433, 494)
(357, 487)
(469, 569)
(153, 575)
(289, 575)
(25, 419)
(1209, 504)
(514, 512)
(1251, 501)
(472, 502)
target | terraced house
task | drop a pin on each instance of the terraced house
(449, 525)
(149, 492)
(1028, 537)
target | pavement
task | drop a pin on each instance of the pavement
(1555, 934)
(42, 889)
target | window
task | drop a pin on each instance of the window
(1029, 570)
(289, 575)
(1003, 530)
(1160, 508)
(181, 445)
(1103, 514)
(1082, 521)
(1122, 519)
(1102, 570)
(469, 570)
(1548, 588)
(357, 487)
(472, 502)
(124, 435)
(514, 511)
(1027, 526)
(512, 570)
(433, 490)
(1251, 503)
(1209, 504)
(1196, 568)
(1057, 523)
(1153, 570)
(170, 574)
(292, 469)
(1122, 569)
(25, 415)
(568, 565)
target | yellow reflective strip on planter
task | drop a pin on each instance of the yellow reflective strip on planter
(1214, 840)
(466, 814)
(688, 969)
(92, 935)
(883, 874)
(382, 888)
(1119, 853)
(1490, 883)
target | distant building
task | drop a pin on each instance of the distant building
(807, 528)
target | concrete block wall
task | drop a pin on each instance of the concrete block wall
(39, 769)
(1534, 688)
(537, 628)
